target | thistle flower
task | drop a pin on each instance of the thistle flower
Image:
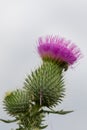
(45, 87)
(58, 49)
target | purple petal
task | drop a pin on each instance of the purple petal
(58, 49)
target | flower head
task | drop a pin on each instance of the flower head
(59, 49)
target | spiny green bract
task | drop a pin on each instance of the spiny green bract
(46, 85)
(16, 102)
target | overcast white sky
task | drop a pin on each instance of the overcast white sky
(21, 23)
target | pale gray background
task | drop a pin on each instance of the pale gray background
(21, 23)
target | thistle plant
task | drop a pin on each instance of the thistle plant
(44, 89)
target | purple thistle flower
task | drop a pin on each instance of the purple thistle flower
(59, 49)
